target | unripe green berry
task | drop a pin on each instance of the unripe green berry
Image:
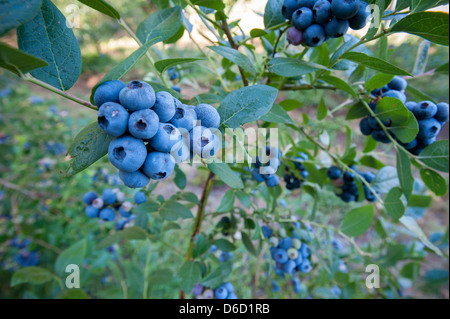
(273, 241)
(282, 232)
(292, 253)
(296, 243)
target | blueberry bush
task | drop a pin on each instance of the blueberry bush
(200, 172)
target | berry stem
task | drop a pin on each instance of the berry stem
(305, 87)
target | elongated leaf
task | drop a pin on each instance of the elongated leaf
(277, 114)
(31, 275)
(18, 61)
(435, 182)
(166, 64)
(378, 81)
(189, 274)
(322, 110)
(14, 13)
(133, 233)
(73, 255)
(248, 244)
(226, 174)
(272, 13)
(339, 84)
(444, 68)
(357, 111)
(224, 245)
(289, 67)
(227, 202)
(162, 25)
(385, 179)
(412, 225)
(405, 173)
(358, 221)
(374, 63)
(173, 210)
(247, 105)
(103, 7)
(256, 33)
(393, 204)
(433, 26)
(48, 37)
(89, 146)
(436, 156)
(419, 95)
(236, 57)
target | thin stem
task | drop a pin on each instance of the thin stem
(275, 27)
(200, 13)
(146, 272)
(305, 87)
(31, 79)
(276, 42)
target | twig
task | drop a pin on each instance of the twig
(305, 87)
(226, 29)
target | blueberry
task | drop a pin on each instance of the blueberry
(267, 232)
(336, 290)
(127, 153)
(410, 145)
(302, 18)
(89, 197)
(108, 92)
(334, 172)
(174, 75)
(107, 214)
(376, 92)
(336, 28)
(442, 112)
(396, 94)
(134, 179)
(369, 195)
(272, 180)
(294, 36)
(232, 295)
(288, 8)
(361, 18)
(292, 182)
(286, 243)
(164, 106)
(137, 95)
(275, 286)
(368, 176)
(297, 288)
(185, 117)
(410, 106)
(289, 267)
(365, 127)
(124, 213)
(398, 83)
(203, 142)
(322, 11)
(176, 88)
(280, 256)
(97, 203)
(345, 9)
(208, 116)
(213, 249)
(109, 197)
(299, 259)
(380, 136)
(305, 251)
(257, 176)
(113, 118)
(373, 123)
(424, 142)
(229, 287)
(292, 253)
(429, 128)
(158, 165)
(425, 110)
(305, 267)
(349, 177)
(180, 152)
(314, 35)
(140, 198)
(221, 293)
(166, 138)
(348, 197)
(306, 3)
(373, 105)
(91, 211)
(143, 124)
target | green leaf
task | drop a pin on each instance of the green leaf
(248, 244)
(103, 7)
(244, 199)
(419, 95)
(149, 206)
(412, 225)
(370, 161)
(420, 201)
(226, 174)
(180, 178)
(370, 145)
(227, 203)
(358, 221)
(108, 241)
(256, 33)
(14, 13)
(374, 63)
(47, 37)
(160, 277)
(405, 172)
(224, 245)
(173, 210)
(289, 67)
(290, 104)
(432, 26)
(339, 84)
(378, 81)
(272, 13)
(436, 156)
(236, 57)
(277, 114)
(133, 233)
(74, 254)
(159, 87)
(213, 4)
(322, 110)
(31, 275)
(214, 279)
(189, 275)
(163, 65)
(247, 105)
(442, 69)
(435, 182)
(162, 24)
(393, 204)
(385, 179)
(72, 294)
(124, 67)
(89, 146)
(357, 111)
(18, 61)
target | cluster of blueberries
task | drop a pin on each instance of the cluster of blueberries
(224, 291)
(223, 256)
(103, 175)
(346, 187)
(430, 117)
(24, 257)
(289, 253)
(112, 201)
(315, 21)
(267, 172)
(153, 131)
(292, 181)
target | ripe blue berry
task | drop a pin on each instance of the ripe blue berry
(208, 116)
(108, 92)
(398, 83)
(89, 197)
(164, 106)
(140, 198)
(345, 9)
(91, 211)
(302, 18)
(286, 243)
(368, 176)
(314, 35)
(280, 256)
(380, 136)
(410, 106)
(108, 196)
(306, 3)
(305, 267)
(396, 94)
(113, 119)
(294, 36)
(334, 172)
(429, 128)
(166, 138)
(289, 267)
(203, 142)
(442, 112)
(127, 153)
(107, 214)
(305, 251)
(410, 145)
(425, 110)
(424, 142)
(257, 176)
(365, 127)
(134, 179)
(185, 117)
(348, 197)
(361, 18)
(137, 95)
(267, 232)
(288, 8)
(143, 124)
(158, 165)
(228, 286)
(272, 180)
(336, 28)
(322, 11)
(221, 293)
(180, 152)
